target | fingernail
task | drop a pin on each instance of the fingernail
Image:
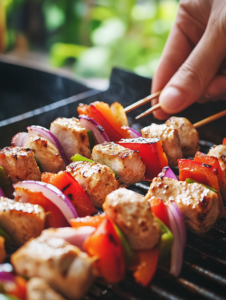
(171, 100)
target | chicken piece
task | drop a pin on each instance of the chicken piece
(38, 289)
(189, 137)
(21, 221)
(127, 163)
(19, 164)
(96, 179)
(132, 213)
(199, 206)
(47, 154)
(2, 249)
(63, 266)
(170, 140)
(72, 136)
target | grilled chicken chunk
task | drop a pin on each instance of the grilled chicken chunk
(19, 164)
(63, 266)
(170, 140)
(127, 163)
(47, 154)
(2, 249)
(72, 136)
(38, 289)
(132, 213)
(21, 221)
(96, 179)
(189, 137)
(199, 206)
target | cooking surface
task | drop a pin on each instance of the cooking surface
(204, 269)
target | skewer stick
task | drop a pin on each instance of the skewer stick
(141, 102)
(149, 111)
(210, 119)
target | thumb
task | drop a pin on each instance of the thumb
(191, 80)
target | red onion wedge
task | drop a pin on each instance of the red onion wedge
(19, 139)
(5, 273)
(98, 131)
(1, 193)
(53, 194)
(167, 172)
(74, 236)
(38, 130)
(178, 230)
(134, 133)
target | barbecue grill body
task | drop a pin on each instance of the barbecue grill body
(41, 97)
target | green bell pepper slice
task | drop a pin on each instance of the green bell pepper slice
(166, 240)
(189, 180)
(78, 157)
(4, 181)
(91, 139)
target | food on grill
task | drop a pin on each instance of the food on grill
(19, 164)
(220, 153)
(198, 204)
(151, 153)
(58, 207)
(63, 266)
(96, 179)
(132, 213)
(170, 140)
(46, 153)
(72, 136)
(189, 137)
(127, 163)
(21, 221)
(103, 115)
(70, 188)
(214, 162)
(38, 289)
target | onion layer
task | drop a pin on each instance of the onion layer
(177, 227)
(98, 131)
(74, 236)
(33, 130)
(19, 139)
(5, 273)
(1, 193)
(134, 133)
(53, 194)
(167, 172)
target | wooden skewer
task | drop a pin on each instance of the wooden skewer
(149, 111)
(210, 119)
(141, 102)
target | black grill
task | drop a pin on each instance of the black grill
(204, 270)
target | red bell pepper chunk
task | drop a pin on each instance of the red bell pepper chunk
(151, 152)
(106, 245)
(93, 221)
(70, 187)
(102, 113)
(54, 216)
(17, 288)
(159, 209)
(202, 173)
(224, 141)
(213, 161)
(147, 265)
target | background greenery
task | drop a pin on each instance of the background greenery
(93, 36)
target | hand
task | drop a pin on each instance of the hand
(193, 65)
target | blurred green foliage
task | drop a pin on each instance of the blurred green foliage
(100, 34)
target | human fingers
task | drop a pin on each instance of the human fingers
(191, 80)
(184, 35)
